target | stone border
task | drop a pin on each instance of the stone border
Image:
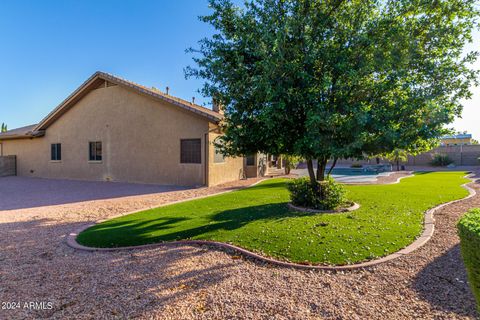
(353, 207)
(429, 228)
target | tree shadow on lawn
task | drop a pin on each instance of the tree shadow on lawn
(34, 256)
(443, 283)
(131, 232)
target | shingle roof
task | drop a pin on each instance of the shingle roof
(457, 136)
(27, 131)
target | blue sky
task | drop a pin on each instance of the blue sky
(48, 48)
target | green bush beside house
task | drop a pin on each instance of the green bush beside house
(469, 232)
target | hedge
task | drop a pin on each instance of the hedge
(469, 232)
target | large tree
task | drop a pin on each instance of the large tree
(327, 79)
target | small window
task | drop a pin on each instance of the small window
(56, 152)
(190, 151)
(95, 151)
(218, 156)
(251, 160)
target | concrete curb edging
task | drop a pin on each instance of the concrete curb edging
(429, 228)
(409, 175)
(353, 207)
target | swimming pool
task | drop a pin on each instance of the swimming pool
(352, 172)
(364, 171)
(348, 175)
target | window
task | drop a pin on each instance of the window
(251, 160)
(95, 151)
(218, 156)
(190, 151)
(56, 152)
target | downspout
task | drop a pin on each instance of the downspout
(205, 165)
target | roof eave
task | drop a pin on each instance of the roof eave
(60, 109)
(128, 84)
(55, 113)
(183, 106)
(26, 135)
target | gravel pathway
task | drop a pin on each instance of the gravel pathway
(187, 282)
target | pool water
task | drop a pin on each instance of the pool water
(349, 175)
(372, 170)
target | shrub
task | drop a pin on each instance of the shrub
(325, 195)
(356, 165)
(291, 162)
(469, 232)
(440, 160)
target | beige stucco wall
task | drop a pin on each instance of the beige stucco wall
(229, 170)
(140, 138)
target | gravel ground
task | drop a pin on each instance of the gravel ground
(187, 282)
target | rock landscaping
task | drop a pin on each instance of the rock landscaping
(190, 282)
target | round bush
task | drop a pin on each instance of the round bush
(321, 195)
(469, 232)
(440, 160)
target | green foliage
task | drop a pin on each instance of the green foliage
(291, 162)
(336, 79)
(3, 128)
(321, 195)
(469, 232)
(396, 155)
(440, 160)
(258, 219)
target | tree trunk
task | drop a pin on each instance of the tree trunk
(311, 173)
(398, 164)
(321, 165)
(287, 167)
(333, 165)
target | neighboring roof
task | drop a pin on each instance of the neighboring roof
(23, 132)
(458, 136)
(93, 83)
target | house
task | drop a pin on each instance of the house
(112, 129)
(456, 140)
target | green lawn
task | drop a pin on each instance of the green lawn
(258, 219)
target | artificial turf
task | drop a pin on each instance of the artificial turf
(258, 219)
